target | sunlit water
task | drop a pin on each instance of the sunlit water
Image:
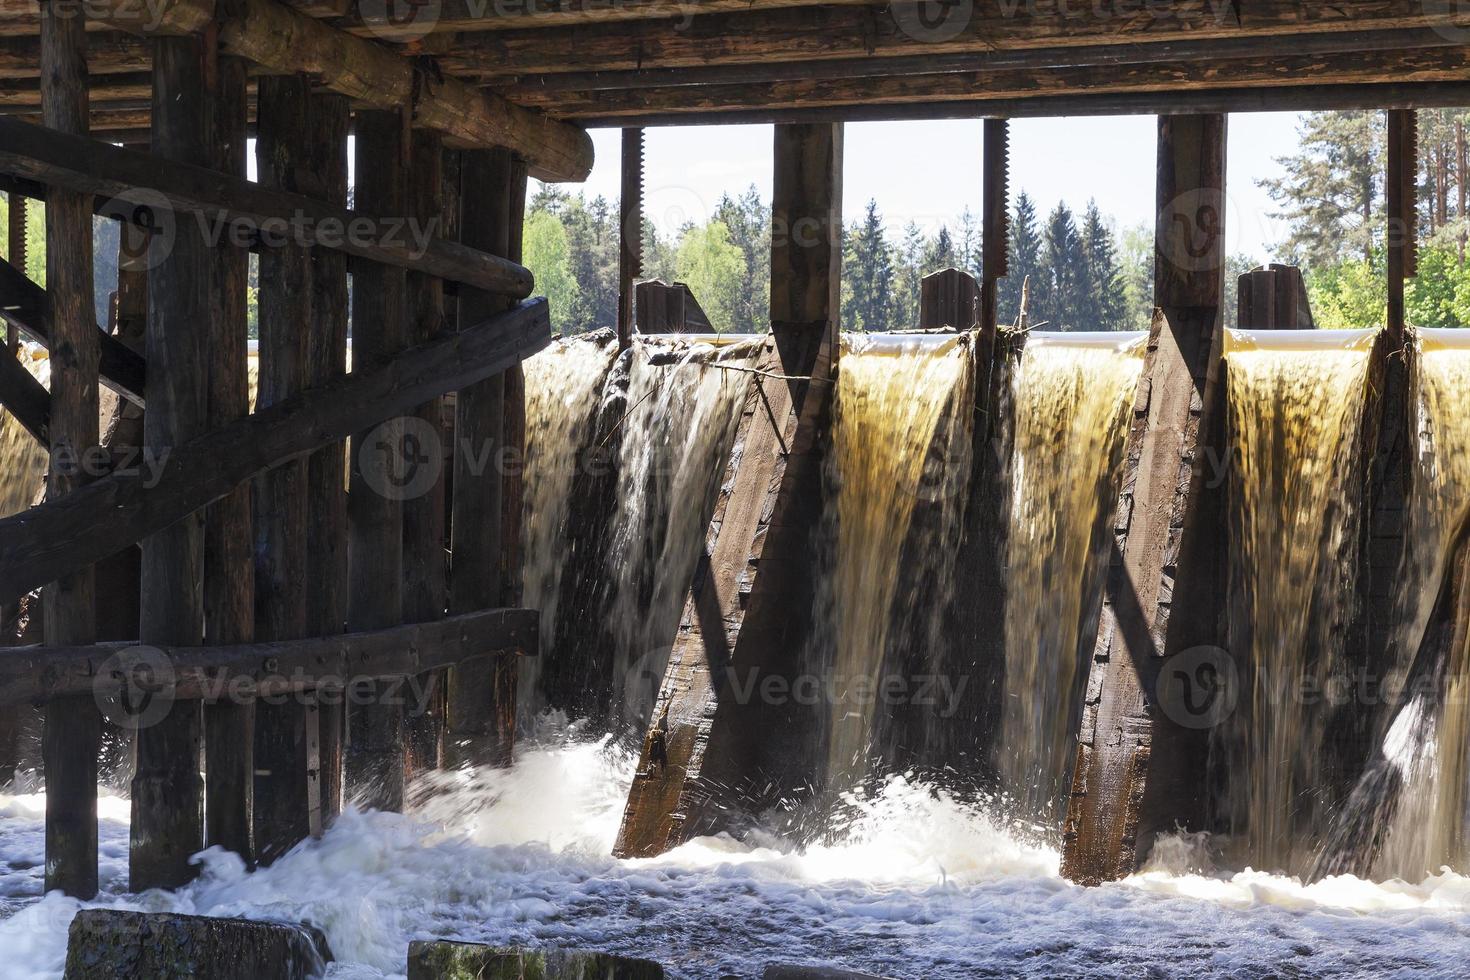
(916, 884)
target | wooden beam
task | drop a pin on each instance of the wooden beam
(995, 226)
(50, 540)
(27, 306)
(25, 398)
(30, 675)
(1161, 102)
(280, 39)
(1437, 64)
(1133, 774)
(287, 319)
(453, 16)
(373, 767)
(630, 232)
(1402, 192)
(134, 181)
(73, 727)
(817, 33)
(167, 826)
(15, 255)
(948, 298)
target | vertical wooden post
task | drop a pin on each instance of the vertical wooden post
(1403, 201)
(282, 803)
(947, 298)
(326, 359)
(425, 562)
(374, 758)
(1273, 297)
(72, 725)
(995, 221)
(229, 577)
(630, 230)
(481, 722)
(168, 819)
(15, 254)
(1137, 768)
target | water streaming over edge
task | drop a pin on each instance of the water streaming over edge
(24, 472)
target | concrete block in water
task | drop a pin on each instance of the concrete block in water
(471, 961)
(782, 971)
(111, 945)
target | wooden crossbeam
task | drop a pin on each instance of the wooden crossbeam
(25, 398)
(286, 41)
(1435, 64)
(133, 180)
(45, 542)
(37, 674)
(25, 304)
(455, 16)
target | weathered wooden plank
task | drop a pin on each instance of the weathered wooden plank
(168, 796)
(26, 306)
(282, 805)
(995, 223)
(514, 15)
(1134, 773)
(947, 298)
(54, 538)
(32, 674)
(229, 581)
(131, 181)
(25, 398)
(284, 40)
(750, 601)
(1402, 193)
(373, 766)
(1273, 297)
(630, 232)
(72, 728)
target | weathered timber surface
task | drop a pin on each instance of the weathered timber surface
(470, 961)
(229, 575)
(36, 674)
(72, 728)
(202, 200)
(27, 306)
(280, 39)
(284, 732)
(1273, 297)
(25, 398)
(167, 826)
(104, 944)
(1137, 767)
(47, 541)
(373, 759)
(749, 606)
(947, 299)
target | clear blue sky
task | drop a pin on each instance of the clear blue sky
(930, 171)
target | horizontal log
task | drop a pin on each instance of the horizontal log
(25, 398)
(459, 16)
(34, 675)
(134, 179)
(807, 34)
(53, 539)
(25, 304)
(1305, 98)
(108, 53)
(1440, 64)
(284, 40)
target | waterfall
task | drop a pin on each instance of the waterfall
(892, 396)
(25, 461)
(1071, 397)
(1295, 406)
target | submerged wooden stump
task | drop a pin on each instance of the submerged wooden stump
(470, 961)
(105, 944)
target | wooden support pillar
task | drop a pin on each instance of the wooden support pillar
(948, 298)
(750, 603)
(282, 766)
(1273, 297)
(373, 763)
(15, 254)
(425, 561)
(481, 709)
(1403, 199)
(1137, 768)
(168, 795)
(326, 361)
(630, 230)
(995, 220)
(229, 574)
(72, 729)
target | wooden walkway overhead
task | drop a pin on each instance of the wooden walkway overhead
(516, 73)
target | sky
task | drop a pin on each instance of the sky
(929, 172)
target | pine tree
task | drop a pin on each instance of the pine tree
(908, 270)
(967, 243)
(1059, 289)
(1331, 191)
(868, 270)
(940, 254)
(1103, 303)
(1025, 259)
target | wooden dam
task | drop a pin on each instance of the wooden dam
(311, 566)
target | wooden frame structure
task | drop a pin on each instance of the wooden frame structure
(255, 554)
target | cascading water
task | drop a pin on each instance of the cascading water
(1295, 406)
(24, 472)
(892, 394)
(1071, 396)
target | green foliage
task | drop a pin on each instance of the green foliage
(1349, 294)
(868, 275)
(1331, 193)
(546, 254)
(714, 269)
